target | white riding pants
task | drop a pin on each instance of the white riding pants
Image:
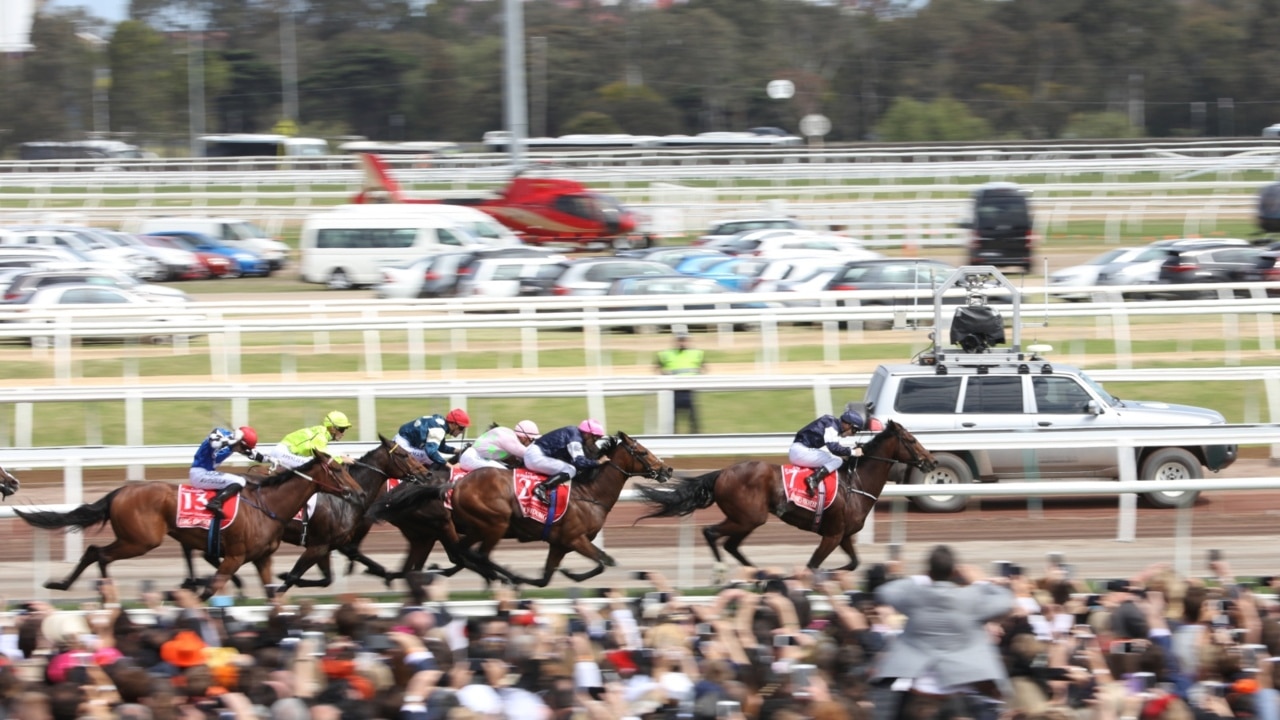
(213, 479)
(471, 460)
(286, 458)
(549, 466)
(419, 455)
(805, 456)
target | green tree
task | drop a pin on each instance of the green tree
(359, 85)
(144, 69)
(1100, 125)
(253, 90)
(639, 110)
(910, 120)
(591, 122)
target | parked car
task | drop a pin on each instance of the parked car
(1086, 274)
(84, 244)
(1214, 264)
(1019, 390)
(438, 274)
(736, 273)
(729, 228)
(803, 244)
(671, 256)
(166, 310)
(213, 264)
(1144, 268)
(587, 276)
(243, 262)
(178, 264)
(35, 279)
(693, 293)
(501, 276)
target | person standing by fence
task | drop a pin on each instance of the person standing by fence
(683, 360)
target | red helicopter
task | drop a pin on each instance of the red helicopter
(541, 210)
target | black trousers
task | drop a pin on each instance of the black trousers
(684, 406)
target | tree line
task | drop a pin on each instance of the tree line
(878, 69)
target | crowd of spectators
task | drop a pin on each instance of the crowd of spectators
(950, 642)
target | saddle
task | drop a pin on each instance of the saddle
(192, 512)
(797, 492)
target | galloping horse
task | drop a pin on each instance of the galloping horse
(141, 514)
(8, 484)
(486, 507)
(339, 525)
(748, 492)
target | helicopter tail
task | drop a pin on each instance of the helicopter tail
(377, 186)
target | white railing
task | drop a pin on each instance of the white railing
(1124, 441)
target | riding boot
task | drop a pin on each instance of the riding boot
(819, 474)
(214, 506)
(543, 490)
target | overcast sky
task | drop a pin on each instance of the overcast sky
(112, 10)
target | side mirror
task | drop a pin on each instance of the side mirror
(1093, 408)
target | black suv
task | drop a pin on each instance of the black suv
(1001, 227)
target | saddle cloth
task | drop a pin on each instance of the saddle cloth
(522, 484)
(191, 510)
(793, 483)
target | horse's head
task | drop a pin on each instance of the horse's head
(635, 459)
(400, 464)
(909, 451)
(333, 478)
(8, 483)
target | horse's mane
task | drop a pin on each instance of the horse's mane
(609, 444)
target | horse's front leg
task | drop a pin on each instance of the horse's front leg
(829, 543)
(226, 570)
(847, 545)
(316, 555)
(583, 546)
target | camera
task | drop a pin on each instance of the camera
(781, 641)
(640, 575)
(801, 675)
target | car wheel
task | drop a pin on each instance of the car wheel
(1171, 464)
(232, 272)
(951, 470)
(338, 280)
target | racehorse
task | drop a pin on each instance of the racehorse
(748, 492)
(141, 514)
(485, 506)
(8, 484)
(336, 524)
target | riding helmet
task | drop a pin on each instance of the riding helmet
(249, 437)
(459, 417)
(592, 427)
(527, 429)
(337, 419)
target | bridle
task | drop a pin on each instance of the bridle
(406, 476)
(917, 461)
(662, 473)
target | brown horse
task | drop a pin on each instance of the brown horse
(141, 514)
(485, 506)
(749, 492)
(8, 484)
(337, 524)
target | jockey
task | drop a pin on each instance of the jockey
(425, 437)
(824, 443)
(215, 449)
(560, 454)
(499, 446)
(300, 446)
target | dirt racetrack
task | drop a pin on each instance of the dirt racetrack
(1241, 524)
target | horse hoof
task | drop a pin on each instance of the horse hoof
(718, 573)
(51, 585)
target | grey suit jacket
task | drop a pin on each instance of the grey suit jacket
(945, 635)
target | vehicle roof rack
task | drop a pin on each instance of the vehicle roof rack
(980, 281)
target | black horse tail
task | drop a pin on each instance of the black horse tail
(691, 494)
(97, 513)
(406, 498)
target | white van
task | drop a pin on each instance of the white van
(347, 247)
(477, 222)
(233, 232)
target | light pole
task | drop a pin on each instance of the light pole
(195, 82)
(289, 62)
(517, 111)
